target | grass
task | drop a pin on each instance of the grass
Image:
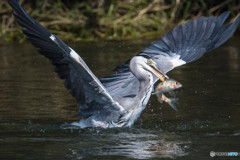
(92, 20)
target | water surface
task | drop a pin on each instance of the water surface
(36, 109)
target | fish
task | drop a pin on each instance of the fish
(167, 86)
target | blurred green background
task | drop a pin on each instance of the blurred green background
(93, 20)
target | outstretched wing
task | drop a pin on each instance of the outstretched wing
(188, 42)
(184, 44)
(83, 84)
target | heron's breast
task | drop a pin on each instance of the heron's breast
(137, 110)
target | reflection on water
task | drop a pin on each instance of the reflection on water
(36, 109)
(137, 146)
(133, 143)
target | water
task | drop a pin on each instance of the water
(36, 109)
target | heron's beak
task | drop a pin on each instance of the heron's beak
(157, 72)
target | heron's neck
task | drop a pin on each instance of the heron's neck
(145, 91)
(144, 87)
(141, 100)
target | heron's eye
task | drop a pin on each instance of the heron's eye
(149, 61)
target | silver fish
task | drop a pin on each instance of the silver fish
(167, 86)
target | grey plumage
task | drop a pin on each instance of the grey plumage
(118, 100)
(190, 41)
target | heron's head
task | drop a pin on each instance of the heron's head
(141, 67)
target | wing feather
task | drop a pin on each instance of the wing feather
(191, 40)
(184, 44)
(83, 84)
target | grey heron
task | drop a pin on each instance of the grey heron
(118, 100)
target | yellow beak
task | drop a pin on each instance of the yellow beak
(158, 73)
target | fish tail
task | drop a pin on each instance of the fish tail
(172, 103)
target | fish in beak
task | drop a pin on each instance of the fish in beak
(156, 71)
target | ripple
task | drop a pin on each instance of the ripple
(131, 145)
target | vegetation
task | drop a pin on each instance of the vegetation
(110, 19)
